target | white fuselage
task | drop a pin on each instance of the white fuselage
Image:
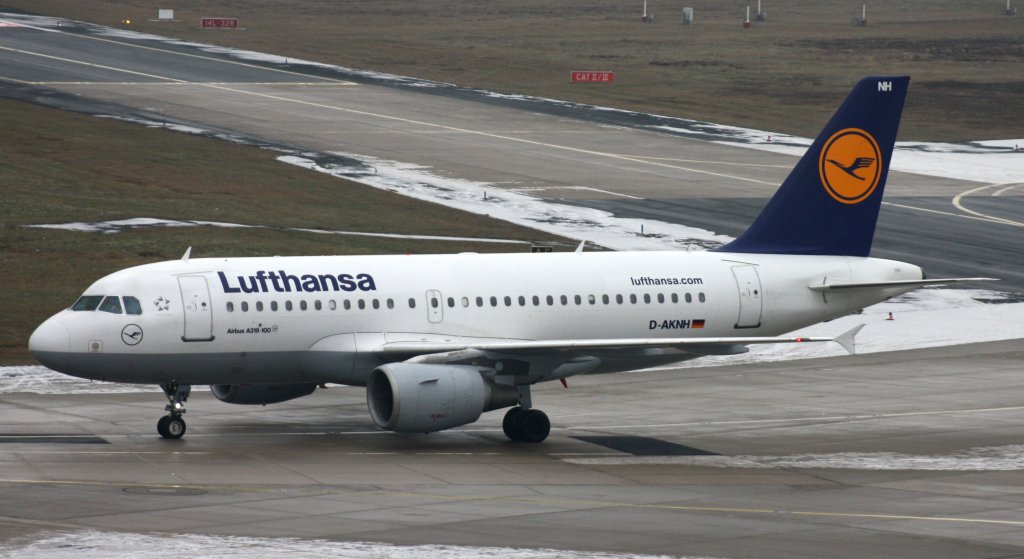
(321, 319)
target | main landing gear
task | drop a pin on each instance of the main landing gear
(172, 426)
(526, 425)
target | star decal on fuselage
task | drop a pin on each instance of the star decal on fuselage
(162, 304)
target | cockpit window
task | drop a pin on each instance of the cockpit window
(132, 306)
(87, 303)
(111, 305)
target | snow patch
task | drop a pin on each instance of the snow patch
(88, 544)
(596, 226)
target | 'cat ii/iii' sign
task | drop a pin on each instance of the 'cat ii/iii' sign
(606, 77)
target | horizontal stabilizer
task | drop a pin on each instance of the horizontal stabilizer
(901, 283)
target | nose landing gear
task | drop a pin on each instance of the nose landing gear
(172, 426)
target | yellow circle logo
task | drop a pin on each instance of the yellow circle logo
(850, 165)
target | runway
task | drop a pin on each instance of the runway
(601, 159)
(906, 454)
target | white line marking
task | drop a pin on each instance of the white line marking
(199, 56)
(951, 214)
(540, 188)
(387, 117)
(957, 202)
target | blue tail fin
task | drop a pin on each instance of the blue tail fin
(829, 202)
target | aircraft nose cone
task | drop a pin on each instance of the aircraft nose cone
(50, 340)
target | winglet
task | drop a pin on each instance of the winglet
(188, 253)
(848, 339)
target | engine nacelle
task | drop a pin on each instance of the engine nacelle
(422, 398)
(255, 394)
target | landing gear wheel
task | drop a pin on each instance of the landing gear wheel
(171, 427)
(534, 426)
(511, 418)
(161, 426)
(175, 428)
(528, 426)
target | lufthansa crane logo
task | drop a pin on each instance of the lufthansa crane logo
(850, 165)
(131, 334)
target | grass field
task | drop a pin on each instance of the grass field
(964, 56)
(58, 167)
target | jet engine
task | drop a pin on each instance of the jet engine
(255, 394)
(422, 398)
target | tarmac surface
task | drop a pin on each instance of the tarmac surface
(905, 454)
(908, 454)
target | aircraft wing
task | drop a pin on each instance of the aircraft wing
(699, 345)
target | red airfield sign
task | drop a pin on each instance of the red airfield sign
(219, 22)
(605, 77)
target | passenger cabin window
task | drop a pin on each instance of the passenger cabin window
(412, 303)
(111, 305)
(245, 306)
(231, 306)
(273, 305)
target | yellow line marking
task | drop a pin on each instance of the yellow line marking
(1008, 188)
(565, 503)
(940, 212)
(957, 202)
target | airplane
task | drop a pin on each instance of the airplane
(437, 340)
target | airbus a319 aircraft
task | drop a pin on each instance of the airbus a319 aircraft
(439, 339)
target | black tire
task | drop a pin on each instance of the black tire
(175, 428)
(161, 426)
(534, 426)
(510, 423)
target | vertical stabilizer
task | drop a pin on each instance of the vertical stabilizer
(829, 202)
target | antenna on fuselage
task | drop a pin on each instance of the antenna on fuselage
(580, 248)
(188, 252)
